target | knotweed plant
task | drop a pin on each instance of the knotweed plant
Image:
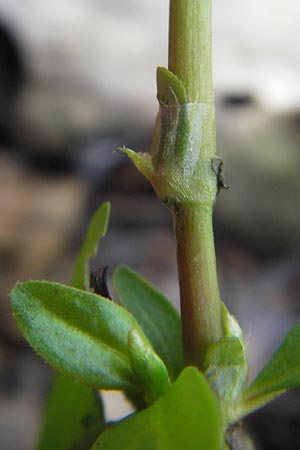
(185, 375)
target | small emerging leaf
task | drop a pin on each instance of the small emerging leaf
(147, 365)
(231, 327)
(79, 333)
(170, 89)
(155, 314)
(186, 417)
(226, 370)
(226, 367)
(281, 373)
(142, 161)
(97, 229)
(73, 411)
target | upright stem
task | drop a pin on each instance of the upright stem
(190, 47)
(190, 59)
(199, 293)
(184, 171)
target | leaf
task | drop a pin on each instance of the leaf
(69, 402)
(147, 365)
(79, 333)
(97, 229)
(73, 411)
(170, 89)
(231, 327)
(226, 367)
(186, 417)
(155, 314)
(226, 370)
(282, 372)
(141, 160)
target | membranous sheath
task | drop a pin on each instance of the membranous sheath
(181, 153)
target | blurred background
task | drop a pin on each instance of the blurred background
(77, 80)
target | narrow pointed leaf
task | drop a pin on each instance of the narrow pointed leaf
(141, 160)
(155, 314)
(79, 333)
(186, 417)
(97, 229)
(73, 411)
(282, 372)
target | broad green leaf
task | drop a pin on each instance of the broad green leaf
(68, 402)
(281, 373)
(79, 333)
(155, 314)
(148, 367)
(186, 417)
(97, 229)
(73, 411)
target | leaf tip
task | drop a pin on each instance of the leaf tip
(170, 89)
(142, 161)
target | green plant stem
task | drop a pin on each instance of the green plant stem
(190, 47)
(190, 59)
(199, 293)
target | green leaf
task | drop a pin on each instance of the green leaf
(141, 160)
(170, 89)
(231, 327)
(226, 370)
(148, 366)
(155, 314)
(226, 367)
(73, 411)
(79, 333)
(281, 373)
(97, 229)
(69, 402)
(186, 417)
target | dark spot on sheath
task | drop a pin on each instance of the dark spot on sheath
(217, 167)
